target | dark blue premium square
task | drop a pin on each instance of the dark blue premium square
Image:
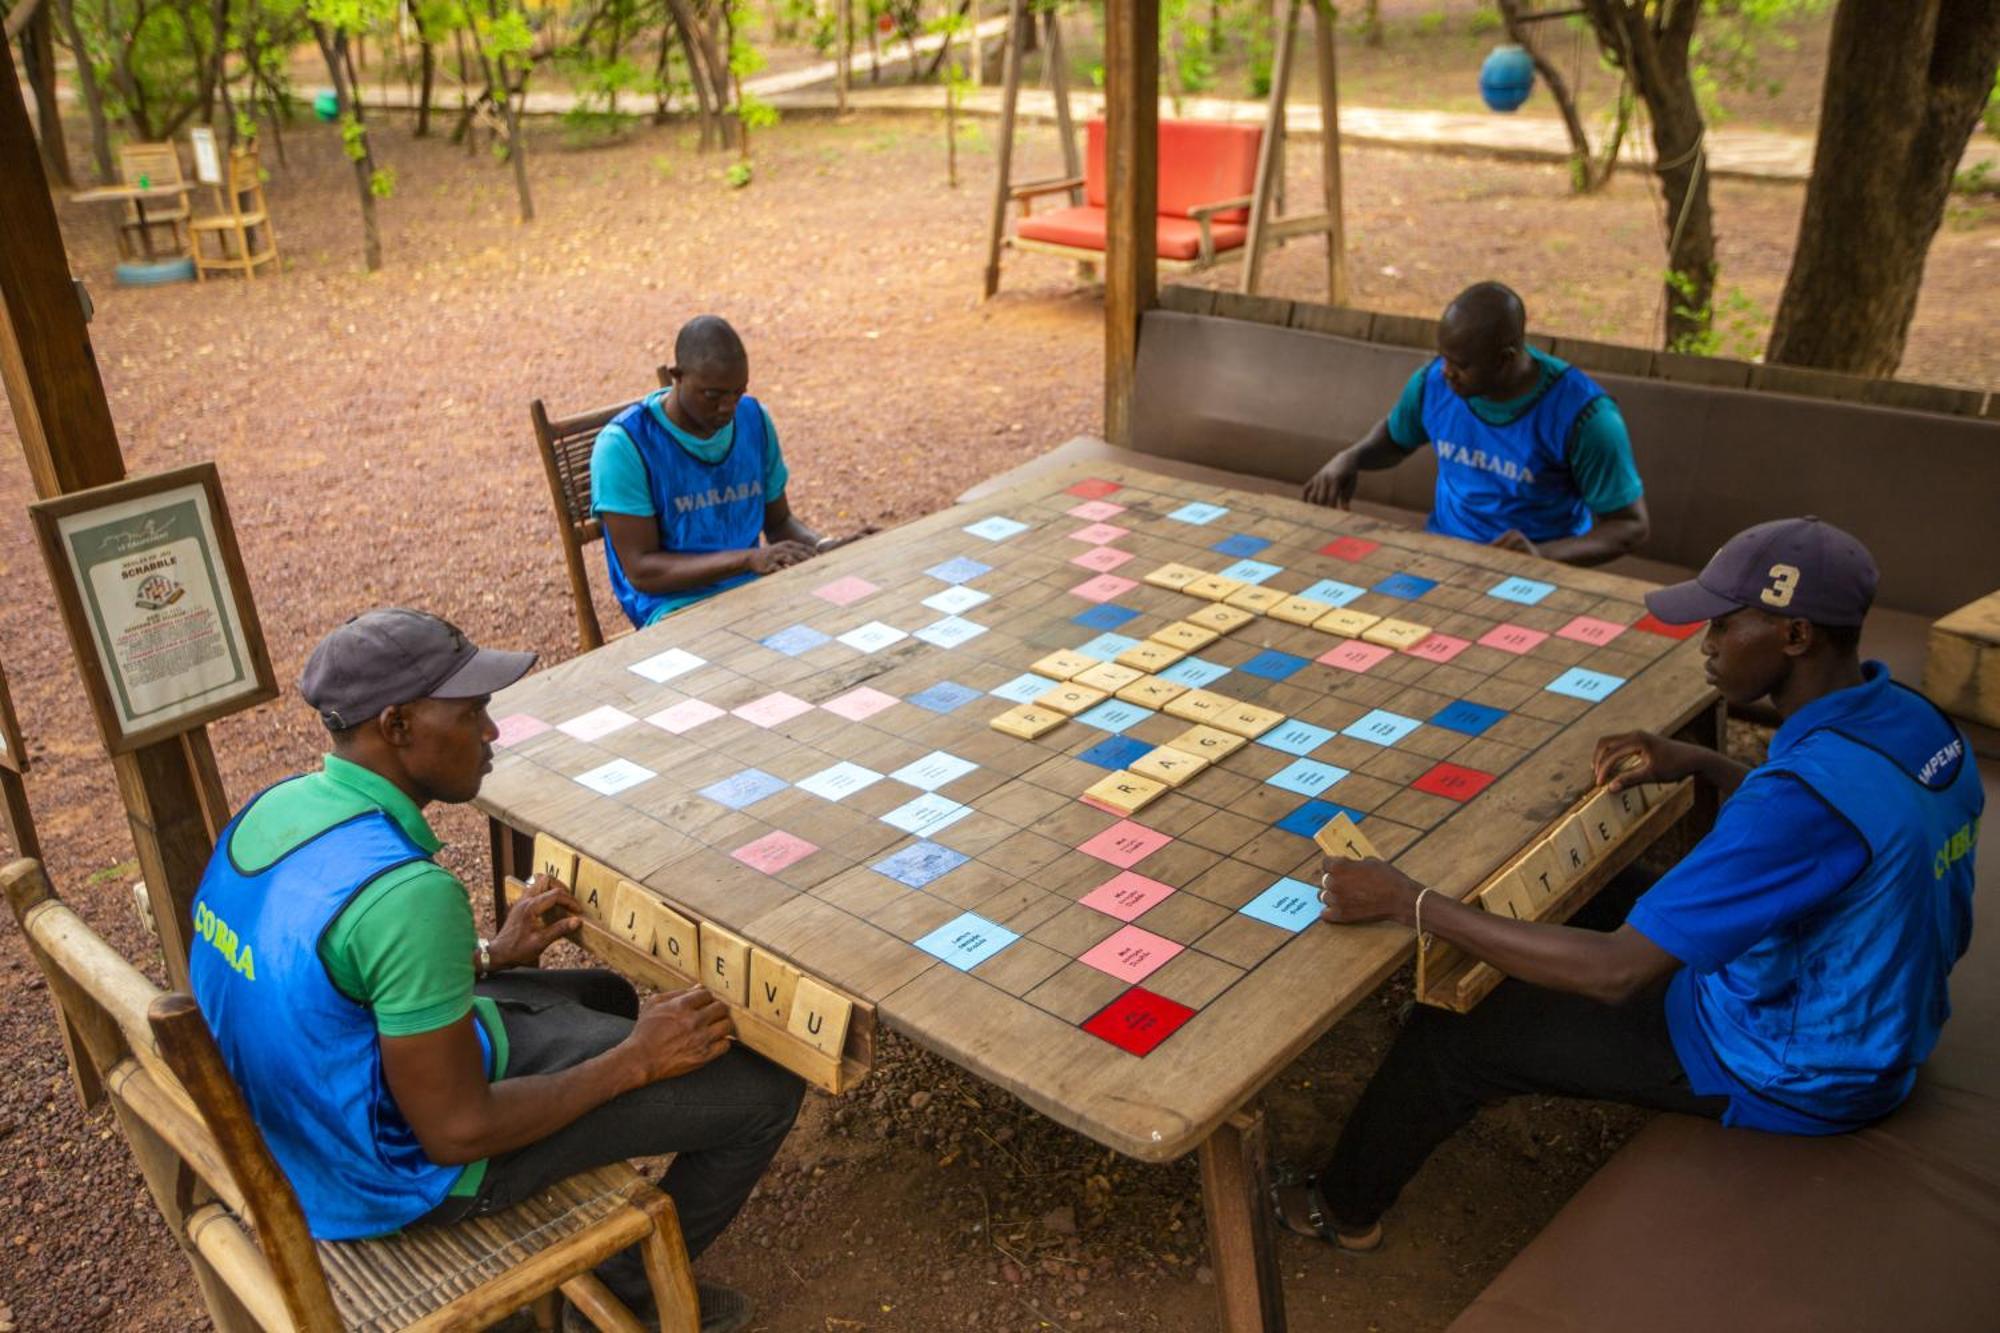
(1240, 544)
(1273, 665)
(1105, 615)
(1464, 716)
(1313, 816)
(1406, 586)
(1116, 753)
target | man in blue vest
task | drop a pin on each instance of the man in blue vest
(690, 485)
(1532, 455)
(1788, 975)
(404, 1070)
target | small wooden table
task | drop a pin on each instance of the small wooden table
(138, 197)
(808, 762)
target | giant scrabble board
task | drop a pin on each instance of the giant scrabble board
(1039, 777)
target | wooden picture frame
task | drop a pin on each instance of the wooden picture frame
(154, 596)
(13, 751)
(207, 160)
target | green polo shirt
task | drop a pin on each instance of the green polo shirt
(404, 946)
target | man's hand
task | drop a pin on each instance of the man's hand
(1513, 539)
(778, 555)
(1634, 757)
(678, 1032)
(826, 544)
(528, 930)
(1334, 484)
(1352, 892)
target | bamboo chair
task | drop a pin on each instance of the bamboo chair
(159, 163)
(235, 1216)
(565, 445)
(244, 220)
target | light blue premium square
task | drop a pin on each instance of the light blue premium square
(1107, 646)
(843, 779)
(958, 569)
(950, 631)
(996, 528)
(926, 814)
(1024, 688)
(1381, 727)
(1288, 905)
(934, 770)
(1332, 591)
(1114, 715)
(956, 599)
(1295, 737)
(1590, 686)
(947, 696)
(1307, 777)
(1194, 672)
(1525, 591)
(967, 942)
(1240, 544)
(920, 863)
(1251, 571)
(746, 788)
(795, 639)
(1195, 511)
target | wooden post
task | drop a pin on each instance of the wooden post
(1010, 94)
(1132, 150)
(66, 433)
(1329, 153)
(1235, 1176)
(1057, 65)
(1271, 152)
(844, 62)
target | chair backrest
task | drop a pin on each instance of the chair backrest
(245, 192)
(186, 1121)
(565, 445)
(159, 163)
(1200, 162)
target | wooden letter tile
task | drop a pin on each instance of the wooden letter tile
(1199, 706)
(1028, 721)
(1127, 793)
(772, 984)
(1152, 692)
(1248, 720)
(1544, 873)
(1632, 804)
(1221, 618)
(820, 1016)
(1339, 837)
(725, 964)
(1212, 586)
(1254, 599)
(1151, 657)
(631, 917)
(1401, 635)
(1508, 896)
(555, 858)
(676, 940)
(1573, 845)
(594, 886)
(1348, 624)
(1603, 820)
(1168, 765)
(1208, 742)
(1108, 676)
(1185, 636)
(1298, 610)
(1070, 699)
(1063, 665)
(1173, 577)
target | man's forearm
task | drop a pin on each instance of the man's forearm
(1376, 450)
(1605, 542)
(1607, 967)
(791, 530)
(516, 1112)
(675, 571)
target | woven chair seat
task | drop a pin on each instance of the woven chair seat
(394, 1281)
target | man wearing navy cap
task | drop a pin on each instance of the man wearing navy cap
(401, 1069)
(1788, 975)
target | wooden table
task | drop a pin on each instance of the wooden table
(138, 198)
(1152, 1063)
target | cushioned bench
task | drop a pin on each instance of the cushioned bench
(1206, 174)
(1690, 1226)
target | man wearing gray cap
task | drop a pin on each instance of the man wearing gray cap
(404, 1070)
(1788, 975)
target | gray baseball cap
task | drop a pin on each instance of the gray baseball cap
(397, 656)
(1801, 567)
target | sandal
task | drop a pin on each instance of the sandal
(1322, 1226)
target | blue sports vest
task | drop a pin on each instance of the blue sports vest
(701, 506)
(1827, 1020)
(1492, 478)
(305, 1055)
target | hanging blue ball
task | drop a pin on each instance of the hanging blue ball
(1507, 77)
(326, 105)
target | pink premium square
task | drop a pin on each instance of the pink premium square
(1355, 655)
(1103, 559)
(772, 709)
(685, 716)
(1095, 511)
(1591, 630)
(773, 852)
(1125, 844)
(858, 704)
(1439, 648)
(1099, 534)
(518, 727)
(1103, 588)
(1131, 955)
(1126, 896)
(843, 591)
(1511, 638)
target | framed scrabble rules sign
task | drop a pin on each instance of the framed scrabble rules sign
(157, 606)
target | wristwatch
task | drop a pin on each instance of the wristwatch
(485, 967)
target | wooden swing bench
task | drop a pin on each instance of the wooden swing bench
(1207, 179)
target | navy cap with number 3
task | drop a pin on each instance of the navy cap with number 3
(1802, 567)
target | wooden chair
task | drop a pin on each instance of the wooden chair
(243, 217)
(235, 1216)
(565, 444)
(159, 163)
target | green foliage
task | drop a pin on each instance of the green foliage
(1734, 327)
(1185, 48)
(1730, 41)
(1431, 24)
(1977, 179)
(755, 112)
(1992, 113)
(1483, 20)
(353, 136)
(737, 175)
(382, 182)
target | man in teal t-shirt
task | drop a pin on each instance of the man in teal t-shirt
(1532, 454)
(689, 483)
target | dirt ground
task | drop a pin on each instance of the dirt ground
(373, 436)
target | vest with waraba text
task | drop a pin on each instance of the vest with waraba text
(1492, 478)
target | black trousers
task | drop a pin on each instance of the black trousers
(1521, 1039)
(724, 1122)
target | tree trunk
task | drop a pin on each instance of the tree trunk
(1371, 22)
(1653, 51)
(333, 47)
(427, 55)
(1905, 84)
(38, 54)
(93, 98)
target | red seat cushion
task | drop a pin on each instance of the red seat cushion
(1177, 238)
(1200, 162)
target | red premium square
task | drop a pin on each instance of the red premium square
(1350, 548)
(1652, 624)
(1138, 1020)
(1454, 781)
(1094, 489)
